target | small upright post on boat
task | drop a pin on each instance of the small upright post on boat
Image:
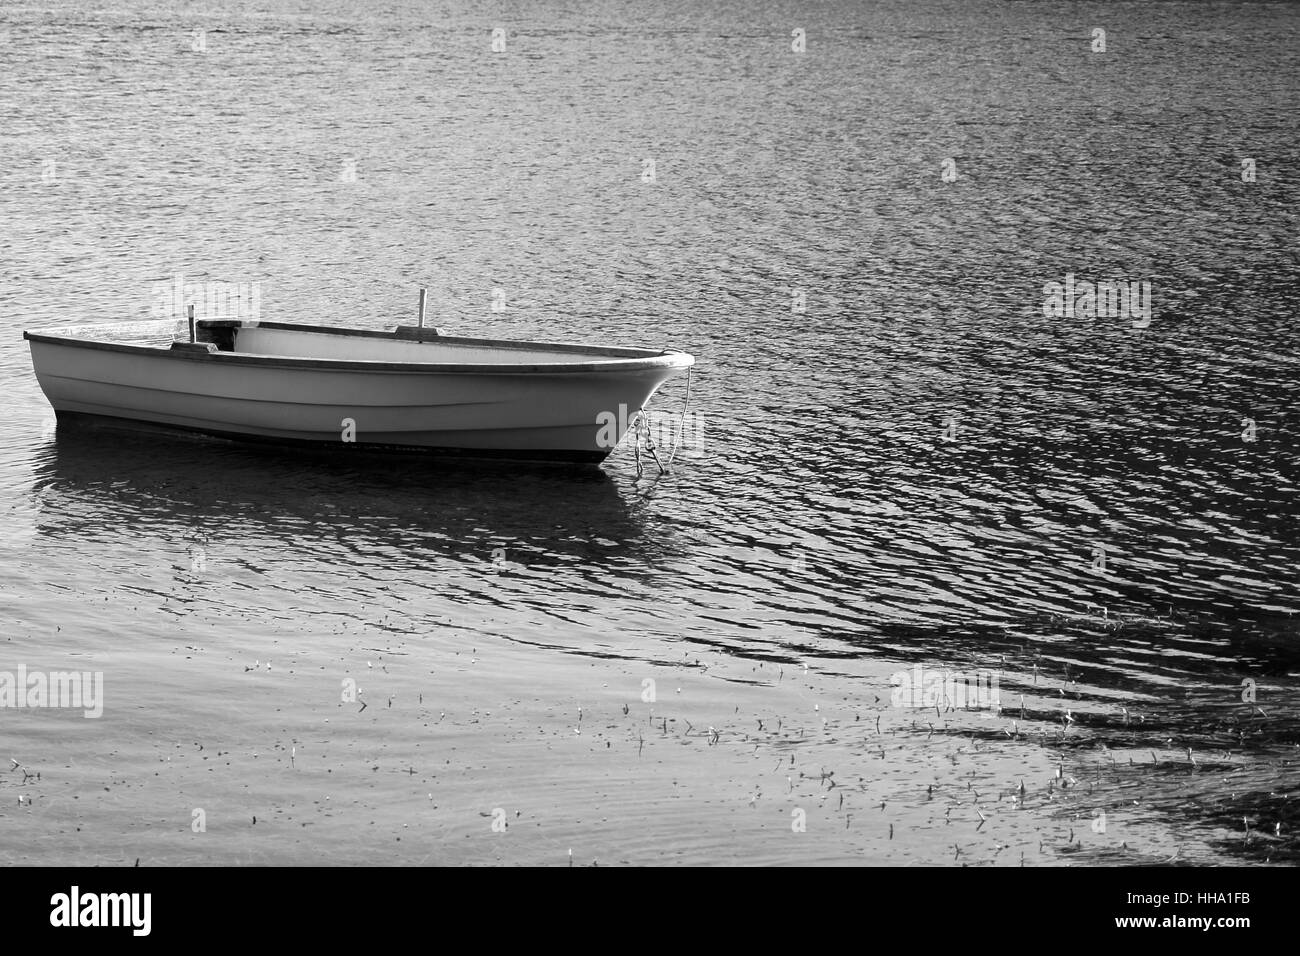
(191, 311)
(424, 295)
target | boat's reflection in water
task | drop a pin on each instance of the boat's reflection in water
(217, 509)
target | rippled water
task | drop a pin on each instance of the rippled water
(918, 466)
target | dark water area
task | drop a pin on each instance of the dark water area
(906, 459)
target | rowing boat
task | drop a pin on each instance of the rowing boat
(407, 388)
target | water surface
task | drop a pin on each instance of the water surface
(918, 468)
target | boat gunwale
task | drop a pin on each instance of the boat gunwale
(622, 358)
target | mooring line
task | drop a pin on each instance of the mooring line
(681, 419)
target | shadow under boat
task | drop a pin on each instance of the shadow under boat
(94, 480)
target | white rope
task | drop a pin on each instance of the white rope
(641, 423)
(681, 419)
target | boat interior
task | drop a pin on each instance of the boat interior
(399, 344)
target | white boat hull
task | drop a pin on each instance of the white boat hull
(539, 404)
